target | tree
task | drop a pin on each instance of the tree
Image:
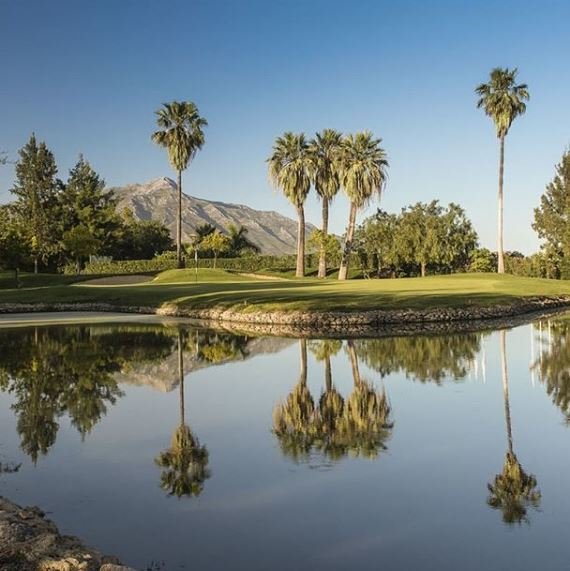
(84, 202)
(217, 243)
(420, 233)
(482, 260)
(363, 173)
(35, 191)
(142, 239)
(14, 245)
(328, 243)
(80, 243)
(290, 169)
(503, 100)
(325, 154)
(239, 242)
(181, 133)
(552, 217)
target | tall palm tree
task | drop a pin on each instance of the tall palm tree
(513, 490)
(363, 173)
(185, 463)
(181, 134)
(503, 100)
(290, 169)
(325, 154)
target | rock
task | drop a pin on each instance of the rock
(112, 567)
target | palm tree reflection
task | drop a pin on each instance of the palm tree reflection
(512, 491)
(185, 463)
(358, 426)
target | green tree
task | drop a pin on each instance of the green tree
(503, 100)
(482, 260)
(290, 169)
(84, 202)
(329, 243)
(35, 190)
(552, 217)
(181, 132)
(142, 239)
(217, 243)
(80, 243)
(363, 173)
(14, 245)
(239, 242)
(325, 151)
(420, 232)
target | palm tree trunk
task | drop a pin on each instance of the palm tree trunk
(328, 374)
(354, 363)
(215, 259)
(181, 377)
(325, 230)
(423, 268)
(500, 245)
(300, 271)
(505, 378)
(343, 271)
(179, 224)
(36, 263)
(303, 359)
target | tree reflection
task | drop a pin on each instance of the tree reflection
(512, 491)
(422, 357)
(358, 426)
(185, 463)
(68, 370)
(553, 365)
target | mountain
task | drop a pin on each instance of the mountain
(157, 199)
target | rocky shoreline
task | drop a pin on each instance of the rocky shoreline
(31, 542)
(328, 323)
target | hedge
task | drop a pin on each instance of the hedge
(161, 263)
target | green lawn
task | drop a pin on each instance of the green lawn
(217, 288)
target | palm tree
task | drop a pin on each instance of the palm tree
(325, 154)
(513, 490)
(363, 166)
(290, 169)
(181, 133)
(503, 100)
(185, 463)
(239, 242)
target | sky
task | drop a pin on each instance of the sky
(86, 77)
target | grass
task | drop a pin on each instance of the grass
(218, 288)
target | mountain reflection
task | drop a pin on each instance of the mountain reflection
(357, 426)
(512, 491)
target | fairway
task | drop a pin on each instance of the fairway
(217, 289)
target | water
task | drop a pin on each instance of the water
(245, 465)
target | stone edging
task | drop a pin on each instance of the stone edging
(322, 322)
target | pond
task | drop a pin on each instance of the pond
(185, 448)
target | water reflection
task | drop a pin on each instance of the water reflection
(553, 364)
(359, 425)
(512, 491)
(185, 463)
(423, 358)
(52, 372)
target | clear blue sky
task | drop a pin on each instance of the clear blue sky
(87, 76)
